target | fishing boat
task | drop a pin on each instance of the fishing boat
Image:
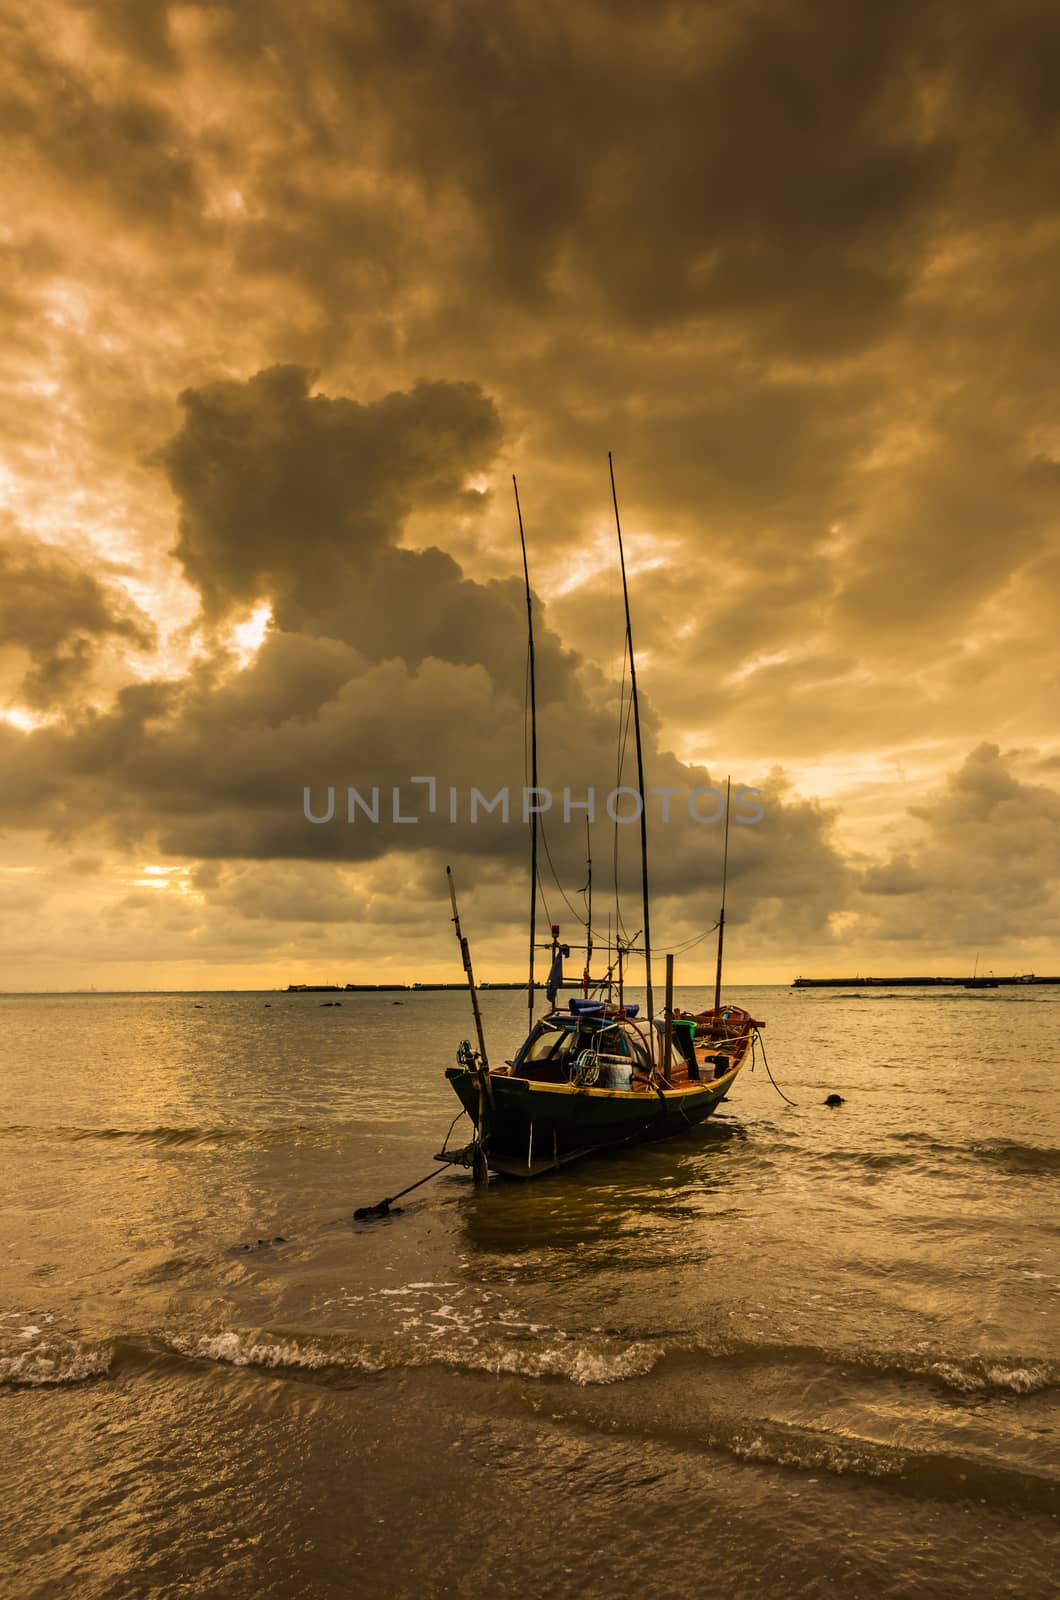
(591, 1077)
(595, 1073)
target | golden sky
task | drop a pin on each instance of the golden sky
(289, 293)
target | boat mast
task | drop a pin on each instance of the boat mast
(721, 918)
(533, 756)
(588, 910)
(640, 754)
(465, 956)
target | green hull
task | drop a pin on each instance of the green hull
(533, 1127)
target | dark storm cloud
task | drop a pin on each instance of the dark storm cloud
(54, 619)
(300, 499)
(768, 161)
(287, 494)
(116, 145)
(142, 30)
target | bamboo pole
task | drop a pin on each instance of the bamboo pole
(465, 955)
(721, 918)
(640, 754)
(533, 755)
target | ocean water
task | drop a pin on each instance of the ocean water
(798, 1351)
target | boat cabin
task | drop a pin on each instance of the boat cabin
(600, 1046)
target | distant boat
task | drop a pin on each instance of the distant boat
(975, 982)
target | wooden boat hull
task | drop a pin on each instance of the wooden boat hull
(535, 1127)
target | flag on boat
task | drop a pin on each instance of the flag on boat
(555, 976)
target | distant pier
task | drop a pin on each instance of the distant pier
(407, 988)
(980, 982)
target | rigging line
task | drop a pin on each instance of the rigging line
(548, 853)
(681, 946)
(461, 1113)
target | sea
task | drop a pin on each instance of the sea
(801, 1351)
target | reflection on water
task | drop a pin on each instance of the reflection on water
(835, 1322)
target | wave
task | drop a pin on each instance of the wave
(1009, 1155)
(922, 1473)
(167, 1136)
(578, 1363)
(997, 1374)
(580, 1359)
(923, 1152)
(270, 1351)
(70, 1362)
(56, 1361)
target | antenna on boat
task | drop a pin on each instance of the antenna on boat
(533, 754)
(721, 918)
(640, 753)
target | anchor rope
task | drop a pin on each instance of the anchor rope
(756, 1038)
(383, 1206)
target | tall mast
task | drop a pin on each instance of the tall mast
(588, 910)
(721, 918)
(640, 753)
(533, 756)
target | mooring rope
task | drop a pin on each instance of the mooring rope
(756, 1038)
(381, 1208)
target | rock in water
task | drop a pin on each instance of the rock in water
(835, 1100)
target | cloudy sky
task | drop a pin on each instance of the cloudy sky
(289, 293)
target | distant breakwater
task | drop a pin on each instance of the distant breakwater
(919, 983)
(404, 988)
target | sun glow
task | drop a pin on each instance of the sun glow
(249, 636)
(24, 721)
(153, 877)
